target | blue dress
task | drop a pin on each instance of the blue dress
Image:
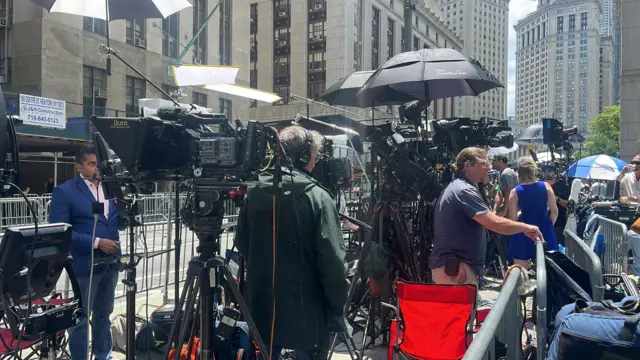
(532, 200)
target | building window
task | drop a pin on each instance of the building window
(199, 99)
(560, 24)
(199, 19)
(225, 107)
(136, 33)
(136, 90)
(283, 92)
(225, 33)
(357, 44)
(94, 91)
(317, 31)
(169, 89)
(416, 44)
(583, 21)
(170, 34)
(281, 67)
(315, 89)
(391, 26)
(375, 39)
(253, 55)
(253, 80)
(316, 62)
(572, 23)
(96, 26)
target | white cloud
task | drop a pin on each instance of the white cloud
(518, 9)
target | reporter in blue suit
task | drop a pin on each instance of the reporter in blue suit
(71, 203)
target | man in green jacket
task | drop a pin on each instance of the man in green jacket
(308, 284)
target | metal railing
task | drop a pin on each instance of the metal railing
(616, 246)
(504, 323)
(582, 255)
(156, 234)
(541, 302)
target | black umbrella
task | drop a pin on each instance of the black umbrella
(343, 92)
(117, 9)
(427, 75)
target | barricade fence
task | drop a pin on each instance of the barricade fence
(504, 324)
(616, 245)
(582, 255)
(156, 234)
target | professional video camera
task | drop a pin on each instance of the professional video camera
(332, 173)
(214, 160)
(408, 173)
(180, 145)
(555, 135)
(453, 135)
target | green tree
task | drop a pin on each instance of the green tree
(604, 133)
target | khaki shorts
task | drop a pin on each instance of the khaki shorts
(466, 276)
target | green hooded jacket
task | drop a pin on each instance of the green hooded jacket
(310, 273)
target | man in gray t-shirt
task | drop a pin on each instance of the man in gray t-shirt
(461, 220)
(508, 181)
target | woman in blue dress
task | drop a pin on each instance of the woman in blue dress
(536, 201)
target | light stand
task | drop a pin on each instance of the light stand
(105, 49)
(132, 210)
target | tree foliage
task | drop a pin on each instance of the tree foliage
(604, 133)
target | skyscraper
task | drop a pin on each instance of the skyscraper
(558, 63)
(609, 27)
(299, 48)
(483, 27)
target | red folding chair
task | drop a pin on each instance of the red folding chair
(433, 322)
(10, 347)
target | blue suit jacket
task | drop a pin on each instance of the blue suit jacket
(71, 204)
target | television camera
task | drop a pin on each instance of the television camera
(414, 164)
(332, 173)
(213, 160)
(555, 135)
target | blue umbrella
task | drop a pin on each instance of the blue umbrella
(599, 167)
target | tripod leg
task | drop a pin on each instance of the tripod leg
(193, 332)
(188, 314)
(206, 317)
(174, 332)
(245, 311)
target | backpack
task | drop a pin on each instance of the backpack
(597, 330)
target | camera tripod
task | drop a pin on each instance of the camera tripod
(205, 275)
(386, 217)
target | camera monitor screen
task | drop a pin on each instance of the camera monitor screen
(50, 254)
(146, 144)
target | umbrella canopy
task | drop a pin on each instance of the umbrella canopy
(344, 91)
(533, 135)
(118, 9)
(599, 167)
(426, 75)
(501, 150)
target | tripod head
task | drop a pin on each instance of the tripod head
(204, 211)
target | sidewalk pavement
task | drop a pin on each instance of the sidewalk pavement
(156, 297)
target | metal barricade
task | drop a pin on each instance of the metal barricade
(541, 301)
(503, 323)
(581, 254)
(616, 250)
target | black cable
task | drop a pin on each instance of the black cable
(29, 263)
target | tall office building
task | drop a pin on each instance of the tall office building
(299, 48)
(483, 27)
(558, 63)
(607, 74)
(609, 26)
(58, 56)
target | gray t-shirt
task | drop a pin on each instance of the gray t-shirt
(456, 233)
(508, 180)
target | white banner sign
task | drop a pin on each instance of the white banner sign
(44, 112)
